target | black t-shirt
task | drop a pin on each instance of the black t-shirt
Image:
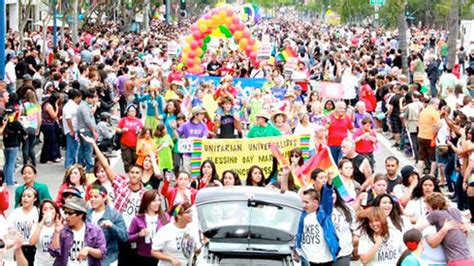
(227, 127)
(213, 66)
(21, 69)
(153, 183)
(393, 183)
(12, 134)
(397, 61)
(395, 102)
(30, 60)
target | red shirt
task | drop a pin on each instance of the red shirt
(337, 129)
(367, 95)
(364, 146)
(219, 91)
(129, 137)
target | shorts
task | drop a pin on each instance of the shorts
(425, 150)
(396, 124)
(441, 158)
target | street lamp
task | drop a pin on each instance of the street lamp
(55, 28)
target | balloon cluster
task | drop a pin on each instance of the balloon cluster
(221, 21)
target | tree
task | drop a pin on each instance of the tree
(453, 32)
(25, 8)
(402, 33)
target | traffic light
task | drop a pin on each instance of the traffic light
(182, 4)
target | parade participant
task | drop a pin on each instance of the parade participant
(29, 172)
(448, 221)
(154, 106)
(416, 207)
(393, 211)
(377, 244)
(410, 179)
(74, 177)
(262, 128)
(230, 178)
(146, 224)
(109, 220)
(207, 176)
(129, 127)
(361, 164)
(176, 243)
(280, 121)
(164, 146)
(145, 145)
(346, 168)
(42, 232)
(77, 242)
(378, 187)
(22, 220)
(194, 128)
(365, 140)
(86, 125)
(428, 127)
(255, 177)
(316, 240)
(181, 192)
(127, 195)
(413, 240)
(391, 168)
(344, 220)
(339, 124)
(151, 175)
(50, 115)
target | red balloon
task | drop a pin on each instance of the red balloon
(241, 26)
(249, 49)
(201, 42)
(192, 54)
(197, 34)
(251, 41)
(190, 63)
(252, 54)
(232, 28)
(230, 12)
(194, 44)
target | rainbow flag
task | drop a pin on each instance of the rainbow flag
(286, 54)
(283, 161)
(324, 161)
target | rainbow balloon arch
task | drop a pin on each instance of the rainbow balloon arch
(221, 20)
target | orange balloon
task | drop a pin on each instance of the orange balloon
(238, 35)
(197, 60)
(202, 28)
(186, 48)
(184, 58)
(243, 43)
(199, 51)
(189, 39)
(228, 21)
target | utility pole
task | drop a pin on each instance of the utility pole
(75, 22)
(146, 17)
(2, 39)
(167, 12)
(55, 28)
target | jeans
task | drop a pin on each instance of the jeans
(414, 145)
(449, 170)
(85, 153)
(71, 151)
(9, 166)
(50, 150)
(336, 153)
(28, 149)
(461, 194)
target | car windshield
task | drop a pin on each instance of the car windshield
(259, 214)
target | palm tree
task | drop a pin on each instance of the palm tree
(402, 33)
(453, 21)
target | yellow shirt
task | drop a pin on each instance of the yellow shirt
(428, 117)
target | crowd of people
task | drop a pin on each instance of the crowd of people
(121, 94)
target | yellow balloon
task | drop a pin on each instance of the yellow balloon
(186, 48)
(201, 22)
(197, 69)
(243, 43)
(238, 35)
(255, 48)
(228, 21)
(189, 39)
(197, 60)
(202, 28)
(215, 19)
(199, 51)
(184, 58)
(209, 23)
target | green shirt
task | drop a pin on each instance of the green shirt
(165, 156)
(261, 132)
(444, 49)
(42, 189)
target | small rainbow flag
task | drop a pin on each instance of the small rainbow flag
(286, 54)
(324, 161)
(196, 158)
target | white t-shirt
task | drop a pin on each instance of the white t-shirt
(69, 112)
(10, 74)
(96, 216)
(388, 252)
(132, 207)
(110, 191)
(433, 256)
(406, 225)
(23, 222)
(344, 230)
(42, 256)
(76, 247)
(178, 243)
(151, 224)
(416, 208)
(313, 244)
(399, 190)
(310, 129)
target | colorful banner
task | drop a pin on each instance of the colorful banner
(245, 83)
(240, 154)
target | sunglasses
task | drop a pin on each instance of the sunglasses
(295, 156)
(70, 213)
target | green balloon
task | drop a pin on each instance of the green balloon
(225, 31)
(204, 47)
(207, 39)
